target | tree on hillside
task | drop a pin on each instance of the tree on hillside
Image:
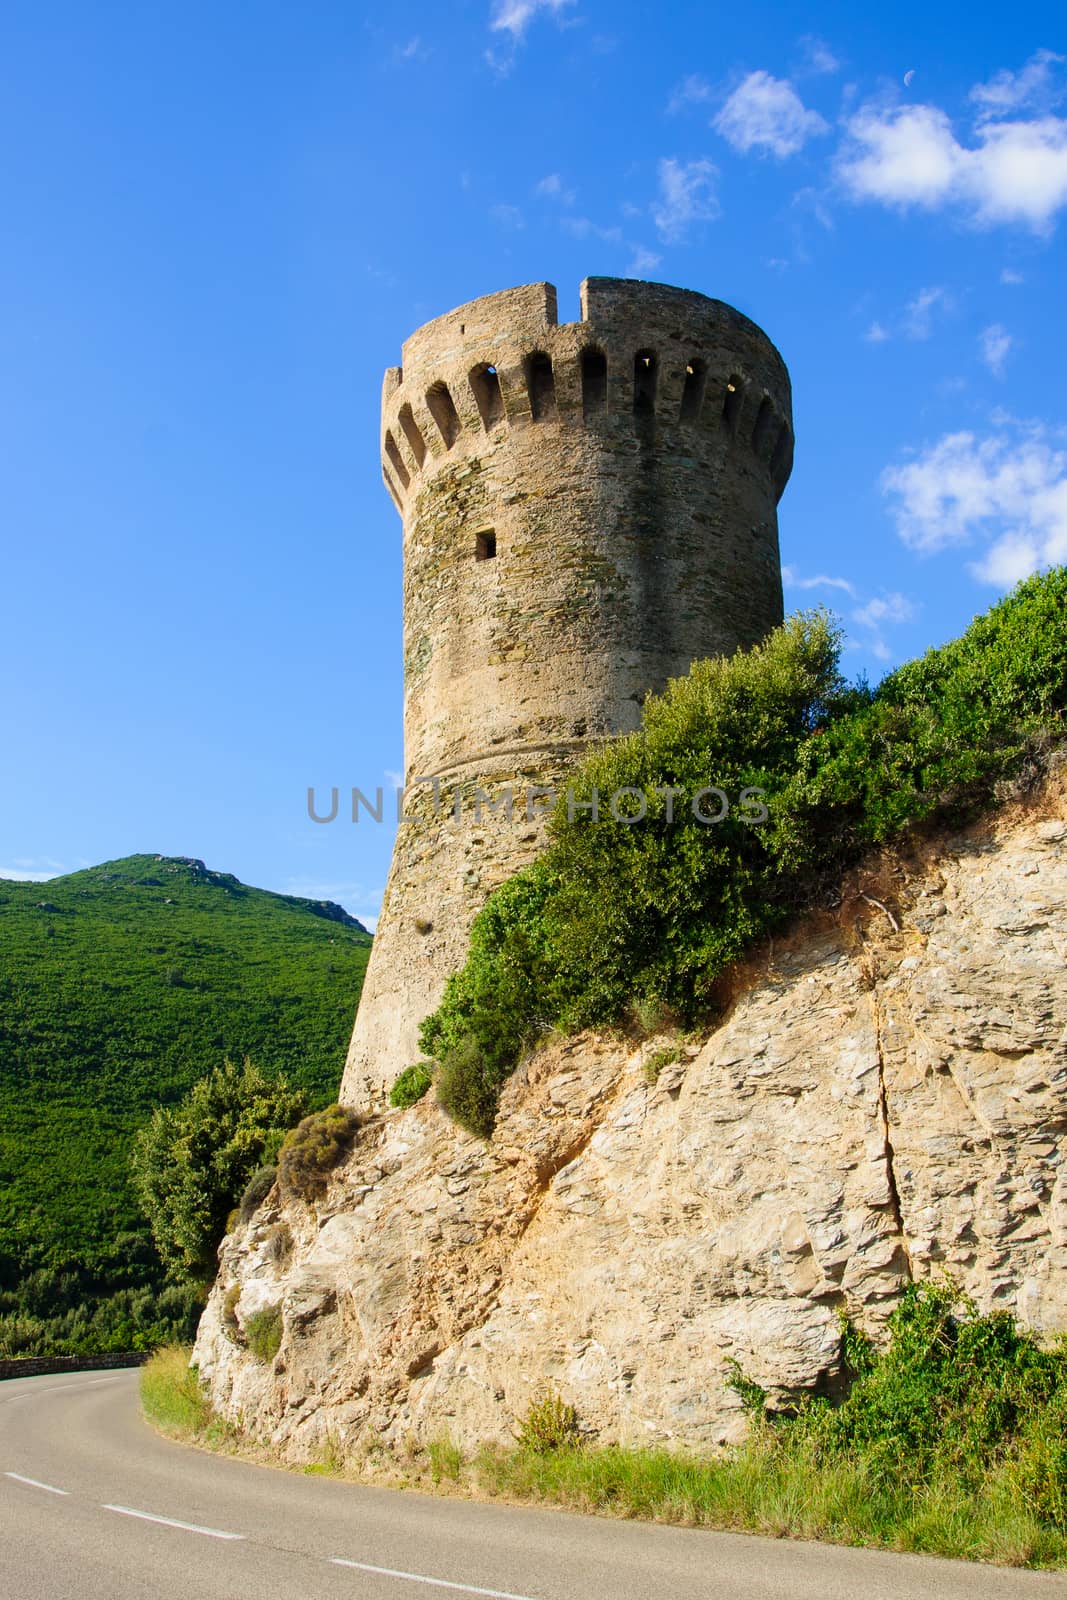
(192, 1161)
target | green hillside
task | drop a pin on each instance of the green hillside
(119, 987)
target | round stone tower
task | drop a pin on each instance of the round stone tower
(587, 509)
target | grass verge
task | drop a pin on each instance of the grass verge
(759, 1488)
(950, 1443)
(172, 1399)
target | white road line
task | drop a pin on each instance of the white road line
(54, 1388)
(417, 1577)
(169, 1522)
(35, 1483)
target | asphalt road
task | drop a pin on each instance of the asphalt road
(94, 1505)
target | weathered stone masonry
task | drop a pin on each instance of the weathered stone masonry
(587, 509)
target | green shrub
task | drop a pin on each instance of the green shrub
(263, 1332)
(278, 1246)
(969, 1402)
(751, 1394)
(549, 1424)
(615, 921)
(468, 1087)
(654, 1064)
(314, 1147)
(411, 1084)
(953, 1391)
(192, 1161)
(257, 1189)
(228, 1316)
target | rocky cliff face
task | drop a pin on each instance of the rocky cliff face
(885, 1098)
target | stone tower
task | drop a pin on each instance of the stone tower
(587, 509)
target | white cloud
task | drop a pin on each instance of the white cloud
(818, 55)
(1012, 91)
(811, 200)
(1013, 557)
(910, 156)
(1008, 489)
(509, 217)
(586, 228)
(995, 344)
(905, 157)
(686, 195)
(512, 18)
(642, 261)
(872, 616)
(792, 580)
(766, 113)
(552, 187)
(692, 91)
(412, 50)
(515, 16)
(21, 875)
(884, 608)
(918, 319)
(875, 616)
(1010, 276)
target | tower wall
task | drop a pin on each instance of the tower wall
(587, 509)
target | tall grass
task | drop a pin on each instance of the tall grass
(761, 1487)
(951, 1442)
(171, 1396)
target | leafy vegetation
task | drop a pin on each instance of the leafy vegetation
(120, 987)
(550, 1423)
(263, 1333)
(256, 1191)
(950, 1441)
(313, 1148)
(620, 917)
(411, 1084)
(171, 1396)
(191, 1162)
(955, 1398)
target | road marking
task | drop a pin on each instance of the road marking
(35, 1483)
(54, 1388)
(169, 1522)
(417, 1577)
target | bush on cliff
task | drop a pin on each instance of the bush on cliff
(411, 1085)
(256, 1191)
(192, 1161)
(263, 1333)
(311, 1151)
(616, 914)
(955, 1396)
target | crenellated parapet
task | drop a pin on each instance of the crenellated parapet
(643, 355)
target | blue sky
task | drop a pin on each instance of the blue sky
(221, 222)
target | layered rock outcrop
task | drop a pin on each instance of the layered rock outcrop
(884, 1098)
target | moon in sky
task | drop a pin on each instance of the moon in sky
(908, 77)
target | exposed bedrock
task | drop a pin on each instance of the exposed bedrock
(878, 1102)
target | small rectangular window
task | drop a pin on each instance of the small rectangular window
(485, 545)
